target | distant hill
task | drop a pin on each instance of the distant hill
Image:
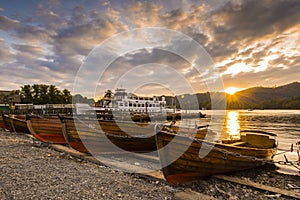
(286, 96)
(281, 97)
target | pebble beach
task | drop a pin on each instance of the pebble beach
(30, 171)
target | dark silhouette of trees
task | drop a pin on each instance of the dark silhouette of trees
(108, 94)
(26, 94)
(44, 94)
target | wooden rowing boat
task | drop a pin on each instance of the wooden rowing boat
(181, 163)
(2, 126)
(47, 129)
(71, 135)
(99, 136)
(126, 135)
(19, 124)
(7, 123)
(15, 123)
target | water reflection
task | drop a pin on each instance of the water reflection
(284, 123)
(232, 124)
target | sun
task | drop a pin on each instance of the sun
(231, 90)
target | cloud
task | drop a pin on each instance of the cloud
(241, 28)
(245, 38)
(6, 55)
(254, 19)
(11, 75)
(85, 33)
(7, 24)
(106, 3)
(35, 51)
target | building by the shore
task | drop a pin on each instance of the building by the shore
(9, 98)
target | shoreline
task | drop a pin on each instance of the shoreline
(29, 171)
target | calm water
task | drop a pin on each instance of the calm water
(285, 123)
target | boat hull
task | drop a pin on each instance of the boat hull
(71, 135)
(7, 123)
(99, 136)
(15, 123)
(46, 129)
(20, 125)
(2, 126)
(181, 162)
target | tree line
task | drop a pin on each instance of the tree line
(39, 94)
(42, 94)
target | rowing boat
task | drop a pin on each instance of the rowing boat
(19, 124)
(7, 123)
(84, 134)
(15, 123)
(99, 136)
(71, 135)
(182, 161)
(47, 129)
(2, 126)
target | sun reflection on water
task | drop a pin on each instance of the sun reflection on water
(232, 128)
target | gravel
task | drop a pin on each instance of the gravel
(31, 172)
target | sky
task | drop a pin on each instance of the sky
(89, 46)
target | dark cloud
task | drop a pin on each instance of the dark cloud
(53, 40)
(281, 61)
(221, 51)
(82, 35)
(128, 62)
(255, 19)
(33, 50)
(7, 24)
(26, 32)
(240, 25)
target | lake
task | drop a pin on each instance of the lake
(284, 123)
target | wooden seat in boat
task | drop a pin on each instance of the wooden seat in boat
(241, 143)
(258, 140)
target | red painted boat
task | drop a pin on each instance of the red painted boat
(47, 129)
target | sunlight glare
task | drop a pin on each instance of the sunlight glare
(231, 90)
(232, 124)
